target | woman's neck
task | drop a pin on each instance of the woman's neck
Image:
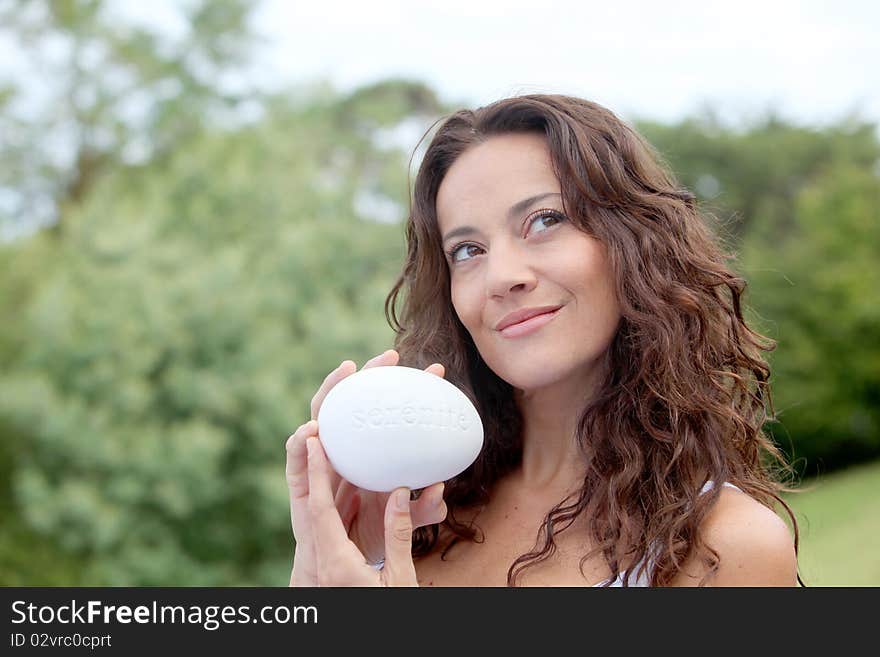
(552, 455)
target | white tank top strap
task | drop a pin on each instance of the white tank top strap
(709, 485)
(644, 579)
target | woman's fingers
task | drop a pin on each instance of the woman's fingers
(437, 369)
(385, 359)
(345, 368)
(304, 565)
(333, 549)
(326, 521)
(430, 508)
(297, 469)
(399, 569)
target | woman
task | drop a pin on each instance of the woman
(558, 275)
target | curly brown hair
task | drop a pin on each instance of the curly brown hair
(687, 395)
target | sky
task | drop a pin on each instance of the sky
(810, 61)
(813, 62)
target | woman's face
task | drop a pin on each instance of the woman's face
(510, 248)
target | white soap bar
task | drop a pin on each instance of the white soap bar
(386, 427)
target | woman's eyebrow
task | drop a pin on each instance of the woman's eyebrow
(516, 209)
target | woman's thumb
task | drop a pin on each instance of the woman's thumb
(399, 569)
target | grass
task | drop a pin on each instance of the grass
(839, 521)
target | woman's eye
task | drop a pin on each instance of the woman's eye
(467, 249)
(540, 221)
(544, 220)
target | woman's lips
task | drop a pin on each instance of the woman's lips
(528, 326)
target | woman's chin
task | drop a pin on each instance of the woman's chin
(536, 375)
(528, 382)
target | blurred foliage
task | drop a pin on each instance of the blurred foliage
(96, 89)
(753, 175)
(157, 351)
(818, 287)
(801, 208)
(166, 343)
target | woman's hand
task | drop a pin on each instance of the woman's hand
(339, 561)
(361, 512)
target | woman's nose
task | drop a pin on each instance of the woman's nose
(507, 270)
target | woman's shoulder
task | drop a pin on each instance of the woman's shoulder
(754, 545)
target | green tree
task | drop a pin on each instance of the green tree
(110, 93)
(799, 206)
(751, 176)
(195, 304)
(816, 292)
